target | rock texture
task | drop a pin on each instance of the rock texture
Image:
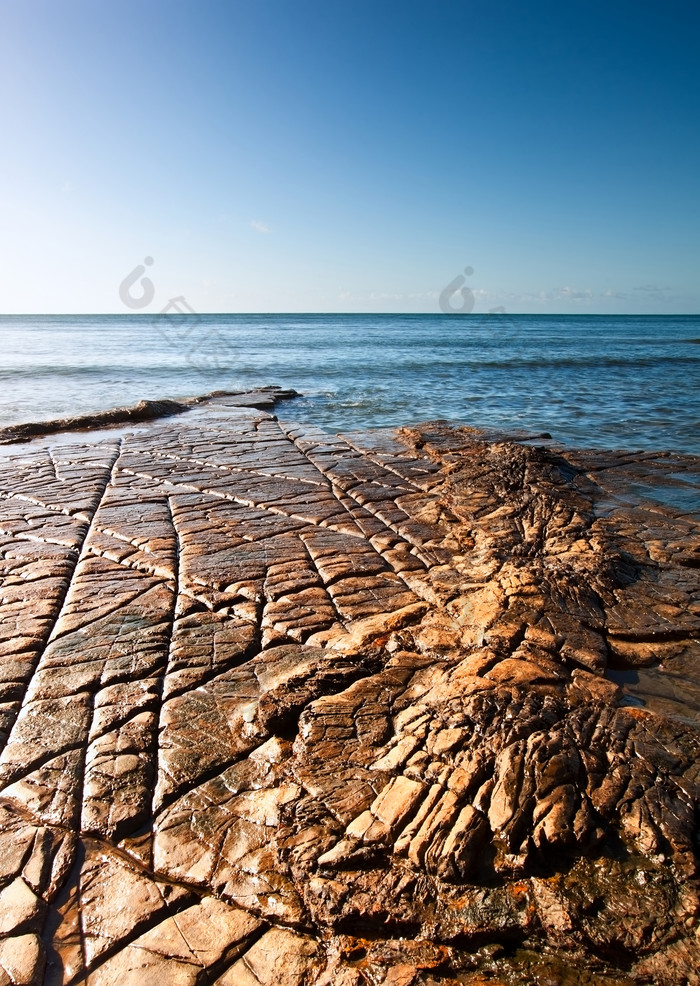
(284, 709)
(265, 398)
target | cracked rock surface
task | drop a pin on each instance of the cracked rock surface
(279, 708)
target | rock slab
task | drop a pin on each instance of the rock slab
(278, 707)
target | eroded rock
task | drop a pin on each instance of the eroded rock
(281, 707)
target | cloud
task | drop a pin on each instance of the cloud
(371, 296)
(652, 289)
(258, 226)
(424, 295)
(572, 295)
(388, 296)
(565, 293)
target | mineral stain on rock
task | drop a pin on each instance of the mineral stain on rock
(278, 707)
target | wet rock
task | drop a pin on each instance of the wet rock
(281, 707)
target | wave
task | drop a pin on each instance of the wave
(594, 362)
(103, 372)
(461, 361)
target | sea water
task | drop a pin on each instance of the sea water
(603, 381)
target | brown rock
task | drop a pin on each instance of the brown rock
(278, 707)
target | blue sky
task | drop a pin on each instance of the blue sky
(347, 155)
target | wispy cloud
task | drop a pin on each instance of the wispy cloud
(653, 289)
(258, 226)
(388, 296)
(566, 293)
(644, 293)
(571, 294)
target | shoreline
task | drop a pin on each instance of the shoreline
(351, 698)
(151, 411)
(670, 490)
(610, 385)
(264, 398)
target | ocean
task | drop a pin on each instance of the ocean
(594, 381)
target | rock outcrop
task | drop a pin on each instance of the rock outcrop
(284, 708)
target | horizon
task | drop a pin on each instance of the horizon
(350, 159)
(403, 314)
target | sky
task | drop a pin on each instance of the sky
(349, 155)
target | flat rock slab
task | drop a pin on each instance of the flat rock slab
(278, 707)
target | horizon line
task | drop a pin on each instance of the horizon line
(438, 314)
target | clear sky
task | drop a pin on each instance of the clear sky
(351, 155)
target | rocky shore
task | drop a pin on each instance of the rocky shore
(279, 708)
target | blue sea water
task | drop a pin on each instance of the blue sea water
(603, 381)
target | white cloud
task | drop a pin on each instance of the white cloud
(385, 296)
(258, 226)
(565, 293)
(573, 295)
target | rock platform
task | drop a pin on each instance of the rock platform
(279, 708)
